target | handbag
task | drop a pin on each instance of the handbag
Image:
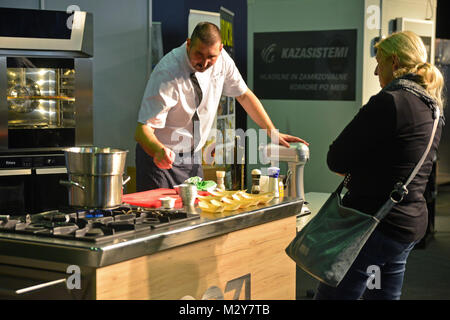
(329, 244)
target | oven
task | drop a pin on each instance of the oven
(46, 104)
(29, 183)
(40, 101)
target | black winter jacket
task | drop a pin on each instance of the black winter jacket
(379, 147)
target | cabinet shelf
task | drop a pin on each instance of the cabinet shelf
(41, 98)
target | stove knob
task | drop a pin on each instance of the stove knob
(26, 162)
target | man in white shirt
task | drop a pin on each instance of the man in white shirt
(179, 106)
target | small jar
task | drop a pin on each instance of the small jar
(220, 180)
(167, 202)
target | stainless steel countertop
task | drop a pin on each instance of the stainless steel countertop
(90, 254)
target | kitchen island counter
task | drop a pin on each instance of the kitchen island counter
(226, 250)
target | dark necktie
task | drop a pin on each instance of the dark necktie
(195, 118)
(197, 89)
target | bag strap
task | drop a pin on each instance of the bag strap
(400, 188)
(340, 187)
(436, 115)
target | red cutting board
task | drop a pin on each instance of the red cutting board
(150, 198)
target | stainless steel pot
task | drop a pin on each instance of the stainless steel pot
(95, 176)
(95, 160)
(95, 191)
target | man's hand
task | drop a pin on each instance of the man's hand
(164, 158)
(284, 139)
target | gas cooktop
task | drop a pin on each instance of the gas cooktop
(93, 225)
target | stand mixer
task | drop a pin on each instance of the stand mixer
(296, 157)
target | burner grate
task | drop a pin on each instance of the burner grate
(94, 225)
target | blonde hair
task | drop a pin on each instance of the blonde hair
(412, 58)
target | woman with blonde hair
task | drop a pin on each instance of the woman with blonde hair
(377, 149)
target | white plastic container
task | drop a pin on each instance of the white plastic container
(274, 172)
(264, 184)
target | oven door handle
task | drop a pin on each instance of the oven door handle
(15, 172)
(60, 170)
(32, 288)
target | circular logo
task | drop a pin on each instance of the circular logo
(268, 53)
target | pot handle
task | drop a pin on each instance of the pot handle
(128, 178)
(71, 183)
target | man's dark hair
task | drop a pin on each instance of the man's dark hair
(207, 32)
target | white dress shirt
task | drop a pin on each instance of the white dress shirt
(169, 100)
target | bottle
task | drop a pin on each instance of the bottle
(237, 167)
(256, 175)
(273, 181)
(220, 180)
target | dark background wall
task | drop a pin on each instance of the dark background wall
(173, 15)
(443, 10)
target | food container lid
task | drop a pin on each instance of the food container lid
(256, 172)
(273, 172)
(220, 174)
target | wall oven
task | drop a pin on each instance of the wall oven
(45, 103)
(29, 183)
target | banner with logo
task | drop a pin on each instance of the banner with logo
(305, 65)
(226, 30)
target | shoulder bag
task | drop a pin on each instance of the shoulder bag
(329, 244)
